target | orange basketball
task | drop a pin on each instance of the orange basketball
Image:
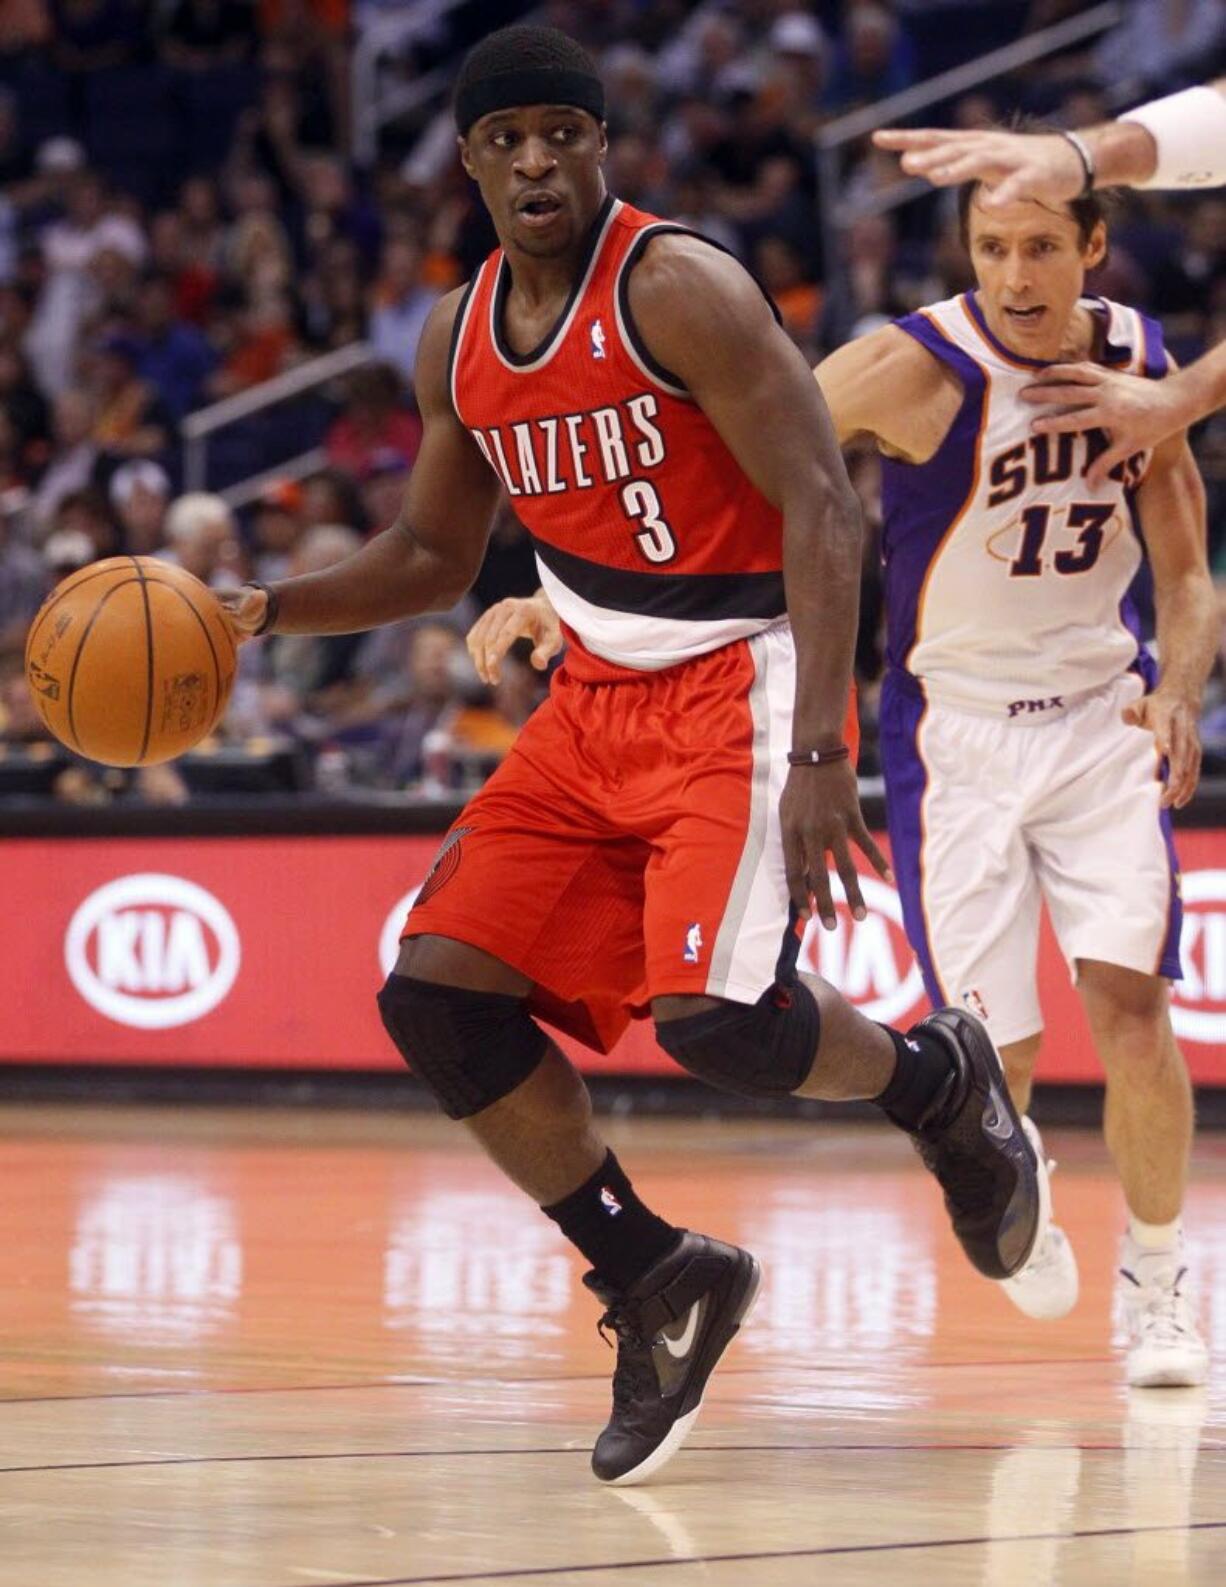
(130, 661)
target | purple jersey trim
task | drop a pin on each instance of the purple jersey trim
(920, 501)
(1155, 348)
(906, 784)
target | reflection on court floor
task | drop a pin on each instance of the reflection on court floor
(259, 1349)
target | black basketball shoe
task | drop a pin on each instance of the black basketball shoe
(672, 1326)
(996, 1187)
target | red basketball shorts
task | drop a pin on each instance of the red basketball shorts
(629, 845)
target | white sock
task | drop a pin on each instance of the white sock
(1155, 1236)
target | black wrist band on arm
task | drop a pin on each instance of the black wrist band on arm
(1086, 158)
(817, 757)
(271, 606)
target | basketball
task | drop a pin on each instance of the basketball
(130, 661)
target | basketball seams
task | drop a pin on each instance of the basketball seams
(144, 594)
(61, 593)
(76, 660)
(165, 584)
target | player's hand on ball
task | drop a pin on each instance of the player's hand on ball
(820, 815)
(518, 617)
(244, 609)
(1174, 720)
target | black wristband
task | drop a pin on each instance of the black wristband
(817, 757)
(1086, 158)
(271, 606)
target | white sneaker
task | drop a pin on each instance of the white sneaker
(1165, 1348)
(1047, 1286)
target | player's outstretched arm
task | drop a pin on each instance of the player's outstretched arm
(517, 617)
(430, 555)
(703, 318)
(1171, 507)
(1176, 142)
(1136, 413)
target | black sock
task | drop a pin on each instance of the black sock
(924, 1065)
(620, 1237)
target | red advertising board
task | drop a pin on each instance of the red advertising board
(269, 950)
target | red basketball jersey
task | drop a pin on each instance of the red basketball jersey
(651, 541)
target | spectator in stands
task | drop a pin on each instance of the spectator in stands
(276, 528)
(333, 298)
(90, 35)
(873, 59)
(23, 583)
(88, 513)
(1158, 46)
(140, 494)
(436, 656)
(132, 420)
(332, 497)
(383, 485)
(401, 304)
(200, 35)
(630, 82)
(264, 344)
(202, 536)
(376, 427)
(176, 358)
(75, 455)
(799, 300)
(70, 246)
(203, 235)
(26, 416)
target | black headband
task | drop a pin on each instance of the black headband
(531, 85)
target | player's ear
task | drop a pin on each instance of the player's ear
(602, 147)
(1096, 246)
(466, 159)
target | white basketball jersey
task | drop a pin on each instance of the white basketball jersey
(1007, 575)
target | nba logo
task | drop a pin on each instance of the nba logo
(693, 942)
(609, 1201)
(596, 332)
(975, 1003)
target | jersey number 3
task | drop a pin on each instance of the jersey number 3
(641, 505)
(1091, 518)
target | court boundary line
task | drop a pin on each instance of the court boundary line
(929, 1448)
(831, 1550)
(410, 1382)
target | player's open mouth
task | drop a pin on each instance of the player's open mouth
(1027, 316)
(538, 208)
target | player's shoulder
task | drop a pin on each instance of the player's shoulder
(432, 373)
(681, 272)
(887, 359)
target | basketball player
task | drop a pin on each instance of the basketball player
(1014, 768)
(1015, 772)
(637, 852)
(1171, 143)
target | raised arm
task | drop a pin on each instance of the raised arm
(704, 319)
(430, 555)
(1171, 507)
(1176, 142)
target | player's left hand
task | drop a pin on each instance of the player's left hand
(820, 815)
(1174, 720)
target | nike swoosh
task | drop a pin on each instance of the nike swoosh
(681, 1346)
(997, 1123)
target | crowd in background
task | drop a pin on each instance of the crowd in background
(182, 219)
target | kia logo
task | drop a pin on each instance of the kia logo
(868, 960)
(1198, 1001)
(389, 937)
(152, 951)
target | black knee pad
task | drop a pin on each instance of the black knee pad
(762, 1049)
(471, 1048)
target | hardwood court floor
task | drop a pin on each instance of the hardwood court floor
(258, 1349)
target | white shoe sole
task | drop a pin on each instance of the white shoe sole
(1152, 1371)
(680, 1430)
(1065, 1305)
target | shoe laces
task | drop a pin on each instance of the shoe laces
(634, 1376)
(1162, 1309)
(1046, 1257)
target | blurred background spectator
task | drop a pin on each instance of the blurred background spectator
(190, 207)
